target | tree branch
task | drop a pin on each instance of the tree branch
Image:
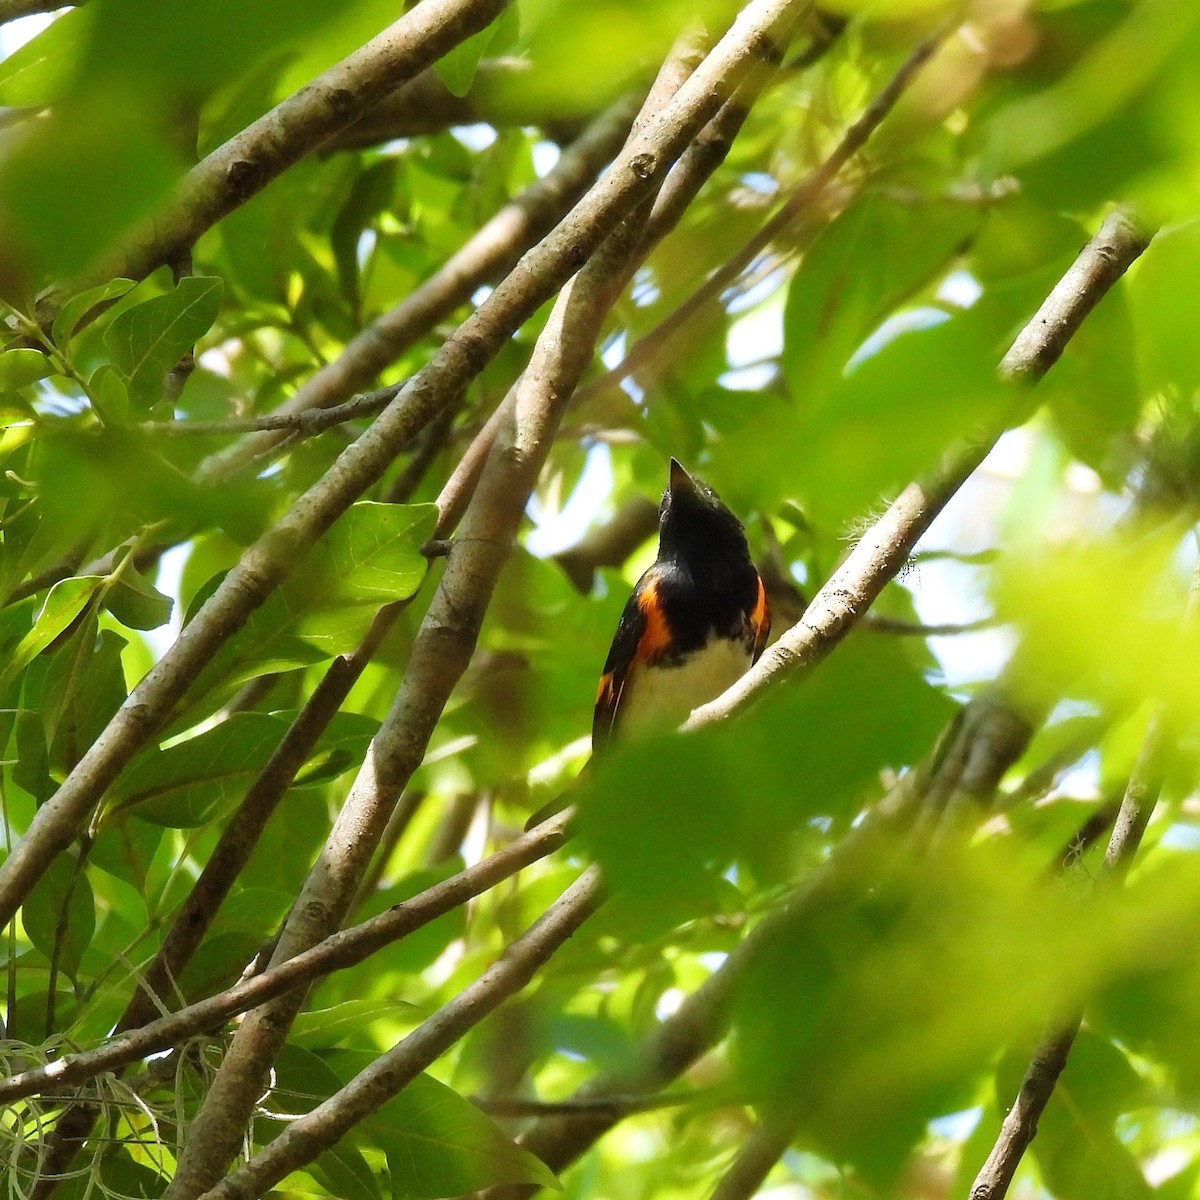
(303, 1139)
(797, 204)
(337, 952)
(440, 653)
(884, 548)
(492, 249)
(11, 10)
(425, 105)
(759, 1153)
(245, 164)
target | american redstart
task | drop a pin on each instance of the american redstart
(696, 621)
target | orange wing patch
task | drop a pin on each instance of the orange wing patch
(656, 637)
(760, 620)
(606, 693)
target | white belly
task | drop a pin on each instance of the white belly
(661, 697)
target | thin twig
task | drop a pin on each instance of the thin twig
(902, 628)
(880, 553)
(307, 423)
(306, 1137)
(800, 202)
(337, 952)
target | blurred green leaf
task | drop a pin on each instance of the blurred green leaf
(1119, 645)
(40, 71)
(666, 816)
(874, 256)
(21, 367)
(1165, 329)
(112, 151)
(370, 195)
(457, 69)
(868, 1013)
(136, 602)
(439, 1144)
(59, 914)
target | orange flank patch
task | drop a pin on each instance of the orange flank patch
(656, 637)
(760, 620)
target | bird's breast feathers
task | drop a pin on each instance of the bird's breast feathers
(659, 695)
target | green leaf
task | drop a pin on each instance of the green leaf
(38, 72)
(110, 394)
(439, 1144)
(59, 915)
(219, 962)
(147, 340)
(125, 849)
(83, 687)
(136, 603)
(63, 603)
(457, 69)
(371, 556)
(1165, 328)
(186, 784)
(816, 749)
(342, 746)
(302, 1081)
(84, 174)
(21, 367)
(82, 303)
(371, 194)
(878, 253)
(318, 1029)
(373, 551)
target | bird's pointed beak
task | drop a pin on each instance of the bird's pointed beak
(681, 481)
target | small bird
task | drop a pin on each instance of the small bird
(696, 622)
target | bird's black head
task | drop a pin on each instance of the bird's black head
(695, 525)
